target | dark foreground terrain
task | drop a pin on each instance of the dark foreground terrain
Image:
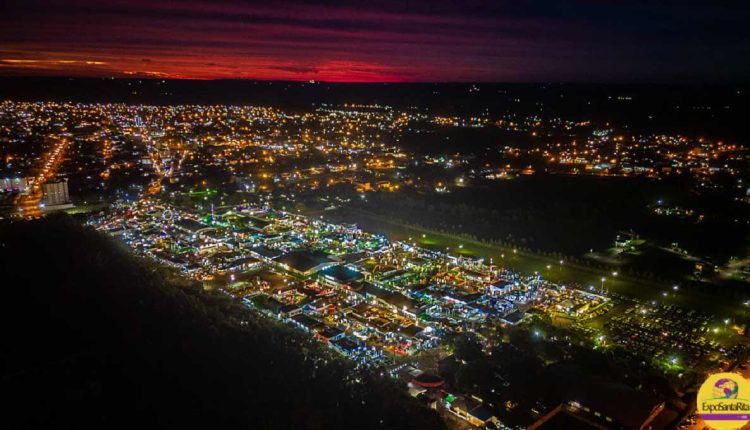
(93, 337)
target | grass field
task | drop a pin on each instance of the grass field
(528, 263)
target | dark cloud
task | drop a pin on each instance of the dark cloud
(297, 69)
(439, 40)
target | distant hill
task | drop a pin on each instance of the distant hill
(93, 337)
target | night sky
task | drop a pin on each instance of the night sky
(397, 41)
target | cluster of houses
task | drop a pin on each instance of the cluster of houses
(369, 299)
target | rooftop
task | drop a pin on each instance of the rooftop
(304, 260)
(341, 274)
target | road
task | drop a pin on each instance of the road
(29, 205)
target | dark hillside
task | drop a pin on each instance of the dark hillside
(94, 337)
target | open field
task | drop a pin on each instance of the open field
(551, 269)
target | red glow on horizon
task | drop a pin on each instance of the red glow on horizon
(379, 41)
(186, 68)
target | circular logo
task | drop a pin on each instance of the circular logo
(724, 401)
(726, 388)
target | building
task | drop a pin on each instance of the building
(339, 276)
(307, 323)
(391, 301)
(55, 193)
(563, 418)
(475, 276)
(346, 346)
(243, 264)
(604, 405)
(305, 262)
(428, 380)
(572, 415)
(472, 409)
(330, 334)
(514, 317)
(13, 184)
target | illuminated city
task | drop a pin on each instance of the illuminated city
(324, 215)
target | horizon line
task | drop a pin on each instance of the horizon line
(315, 81)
